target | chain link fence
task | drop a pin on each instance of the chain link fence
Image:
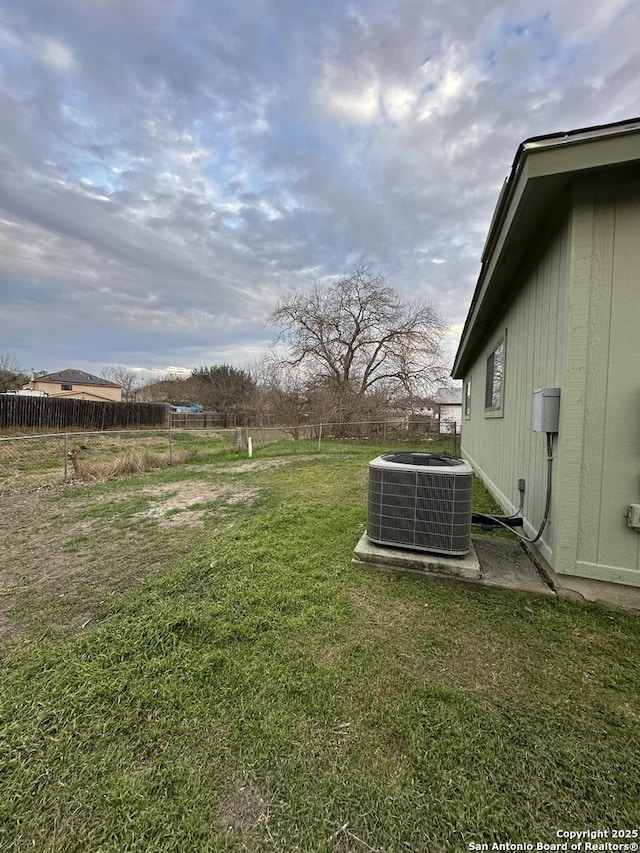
(29, 462)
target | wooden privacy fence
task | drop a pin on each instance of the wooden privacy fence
(55, 413)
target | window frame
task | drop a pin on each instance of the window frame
(466, 397)
(493, 409)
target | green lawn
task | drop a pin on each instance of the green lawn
(258, 692)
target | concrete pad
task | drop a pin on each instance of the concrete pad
(492, 562)
(505, 564)
(466, 567)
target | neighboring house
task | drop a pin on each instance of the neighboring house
(447, 407)
(557, 305)
(78, 385)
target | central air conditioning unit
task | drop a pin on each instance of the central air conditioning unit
(420, 501)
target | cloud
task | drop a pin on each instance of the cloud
(166, 172)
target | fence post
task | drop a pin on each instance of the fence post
(170, 448)
(65, 454)
(319, 438)
(238, 438)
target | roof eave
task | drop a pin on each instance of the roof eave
(541, 168)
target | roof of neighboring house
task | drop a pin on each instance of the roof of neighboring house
(77, 377)
(542, 168)
(83, 395)
(448, 397)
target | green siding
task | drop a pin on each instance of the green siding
(573, 324)
(610, 473)
(506, 448)
(574, 382)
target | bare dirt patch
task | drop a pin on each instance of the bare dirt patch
(242, 811)
(178, 505)
(64, 552)
(264, 464)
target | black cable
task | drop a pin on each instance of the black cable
(498, 522)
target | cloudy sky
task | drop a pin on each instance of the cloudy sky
(170, 168)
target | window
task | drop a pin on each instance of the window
(495, 379)
(66, 387)
(467, 399)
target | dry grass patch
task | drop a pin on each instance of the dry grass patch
(134, 460)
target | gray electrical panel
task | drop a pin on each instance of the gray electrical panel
(546, 409)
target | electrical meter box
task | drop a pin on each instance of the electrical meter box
(546, 409)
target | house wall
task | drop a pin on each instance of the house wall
(448, 416)
(574, 325)
(502, 446)
(88, 394)
(79, 391)
(600, 442)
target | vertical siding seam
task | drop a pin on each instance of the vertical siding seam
(571, 441)
(606, 384)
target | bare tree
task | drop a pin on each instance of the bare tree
(124, 377)
(359, 334)
(281, 393)
(12, 376)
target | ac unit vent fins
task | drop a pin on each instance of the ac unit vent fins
(420, 501)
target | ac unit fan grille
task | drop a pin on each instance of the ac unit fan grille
(420, 508)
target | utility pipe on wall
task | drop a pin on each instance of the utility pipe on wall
(547, 509)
